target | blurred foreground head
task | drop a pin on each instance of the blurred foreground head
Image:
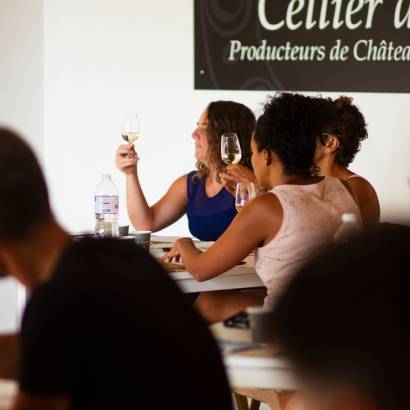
(344, 323)
(24, 203)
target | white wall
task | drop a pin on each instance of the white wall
(21, 100)
(21, 68)
(106, 57)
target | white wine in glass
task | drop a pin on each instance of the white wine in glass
(130, 128)
(230, 148)
(245, 192)
(130, 137)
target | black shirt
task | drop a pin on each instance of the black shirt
(111, 330)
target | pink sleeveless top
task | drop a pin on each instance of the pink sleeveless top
(311, 216)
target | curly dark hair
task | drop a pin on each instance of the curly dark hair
(289, 127)
(227, 116)
(353, 130)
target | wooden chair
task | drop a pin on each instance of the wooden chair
(276, 400)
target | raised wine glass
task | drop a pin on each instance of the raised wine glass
(230, 148)
(130, 128)
(245, 192)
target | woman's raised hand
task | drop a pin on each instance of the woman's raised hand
(238, 173)
(126, 159)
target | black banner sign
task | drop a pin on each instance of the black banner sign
(305, 45)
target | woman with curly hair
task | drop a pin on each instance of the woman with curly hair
(291, 222)
(336, 149)
(210, 208)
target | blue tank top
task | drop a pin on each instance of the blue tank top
(208, 217)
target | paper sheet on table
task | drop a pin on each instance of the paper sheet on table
(159, 241)
(257, 357)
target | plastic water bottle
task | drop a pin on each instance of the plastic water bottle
(348, 228)
(106, 208)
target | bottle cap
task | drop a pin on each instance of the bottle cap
(348, 217)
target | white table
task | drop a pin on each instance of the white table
(254, 369)
(259, 373)
(258, 368)
(239, 277)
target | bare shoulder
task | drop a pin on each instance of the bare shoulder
(267, 201)
(179, 185)
(360, 184)
(182, 180)
(266, 213)
(266, 207)
(363, 190)
(366, 198)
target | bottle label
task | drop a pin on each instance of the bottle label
(106, 204)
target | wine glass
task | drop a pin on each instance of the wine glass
(245, 192)
(130, 128)
(230, 148)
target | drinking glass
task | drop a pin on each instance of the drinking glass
(130, 128)
(245, 192)
(230, 148)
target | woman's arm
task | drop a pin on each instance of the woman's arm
(256, 224)
(144, 217)
(163, 213)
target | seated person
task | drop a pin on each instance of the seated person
(92, 336)
(200, 194)
(296, 217)
(335, 149)
(343, 323)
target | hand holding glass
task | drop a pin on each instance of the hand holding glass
(230, 148)
(130, 128)
(245, 192)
